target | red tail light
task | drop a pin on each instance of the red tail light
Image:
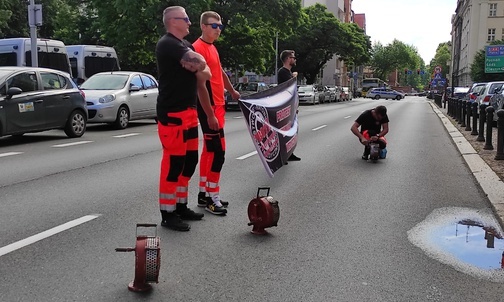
(83, 94)
(486, 99)
(472, 96)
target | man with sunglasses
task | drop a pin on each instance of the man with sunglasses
(288, 58)
(214, 144)
(182, 77)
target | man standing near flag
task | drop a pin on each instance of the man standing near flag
(182, 77)
(288, 58)
(214, 144)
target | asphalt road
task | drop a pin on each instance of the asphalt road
(341, 235)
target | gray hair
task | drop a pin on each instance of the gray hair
(169, 10)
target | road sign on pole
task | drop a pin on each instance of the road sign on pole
(438, 69)
(34, 20)
(494, 59)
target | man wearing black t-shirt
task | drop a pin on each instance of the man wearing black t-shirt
(182, 77)
(288, 58)
(373, 127)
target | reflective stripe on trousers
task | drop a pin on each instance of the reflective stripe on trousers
(212, 156)
(179, 138)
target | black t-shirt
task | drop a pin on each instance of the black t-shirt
(177, 85)
(368, 122)
(284, 75)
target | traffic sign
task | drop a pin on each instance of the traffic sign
(437, 70)
(494, 59)
(437, 76)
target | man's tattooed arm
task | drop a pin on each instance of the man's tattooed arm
(193, 61)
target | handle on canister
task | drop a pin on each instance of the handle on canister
(263, 188)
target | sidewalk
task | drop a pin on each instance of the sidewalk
(489, 173)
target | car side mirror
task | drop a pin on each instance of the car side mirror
(134, 88)
(13, 91)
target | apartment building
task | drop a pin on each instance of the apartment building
(475, 24)
(335, 72)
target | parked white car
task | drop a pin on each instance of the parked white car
(308, 94)
(120, 96)
(487, 91)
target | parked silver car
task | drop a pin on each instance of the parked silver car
(120, 96)
(308, 94)
(486, 93)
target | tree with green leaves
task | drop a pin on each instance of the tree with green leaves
(478, 67)
(319, 37)
(394, 56)
(441, 58)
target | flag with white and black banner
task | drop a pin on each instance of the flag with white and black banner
(272, 122)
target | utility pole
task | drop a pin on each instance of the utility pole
(34, 20)
(276, 58)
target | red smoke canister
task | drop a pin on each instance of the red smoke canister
(263, 212)
(147, 259)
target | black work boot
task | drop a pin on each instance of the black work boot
(173, 222)
(187, 214)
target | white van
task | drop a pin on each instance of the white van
(51, 53)
(87, 60)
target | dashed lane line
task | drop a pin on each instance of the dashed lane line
(318, 128)
(126, 135)
(247, 155)
(347, 117)
(10, 154)
(40, 236)
(72, 144)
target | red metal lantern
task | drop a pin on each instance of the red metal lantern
(147, 259)
(263, 212)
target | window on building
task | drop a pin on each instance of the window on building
(502, 38)
(491, 34)
(493, 10)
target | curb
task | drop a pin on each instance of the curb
(488, 180)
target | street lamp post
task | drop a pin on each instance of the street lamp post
(34, 20)
(276, 58)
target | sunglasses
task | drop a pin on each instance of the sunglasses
(216, 25)
(186, 19)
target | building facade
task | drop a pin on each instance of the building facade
(475, 24)
(335, 72)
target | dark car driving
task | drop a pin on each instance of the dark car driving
(39, 99)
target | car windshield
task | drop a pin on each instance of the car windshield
(251, 87)
(105, 82)
(461, 89)
(495, 87)
(4, 73)
(305, 88)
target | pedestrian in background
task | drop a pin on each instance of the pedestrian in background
(182, 76)
(285, 73)
(214, 143)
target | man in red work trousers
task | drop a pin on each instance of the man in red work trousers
(182, 77)
(214, 146)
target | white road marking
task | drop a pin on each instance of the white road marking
(247, 155)
(320, 127)
(126, 135)
(40, 236)
(10, 154)
(72, 144)
(347, 117)
(237, 117)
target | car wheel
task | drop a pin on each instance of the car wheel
(122, 119)
(398, 98)
(76, 124)
(377, 97)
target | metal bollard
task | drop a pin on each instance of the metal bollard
(500, 135)
(474, 106)
(482, 119)
(469, 113)
(462, 121)
(489, 121)
(450, 107)
(459, 111)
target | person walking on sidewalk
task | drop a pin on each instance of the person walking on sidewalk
(214, 144)
(182, 77)
(288, 58)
